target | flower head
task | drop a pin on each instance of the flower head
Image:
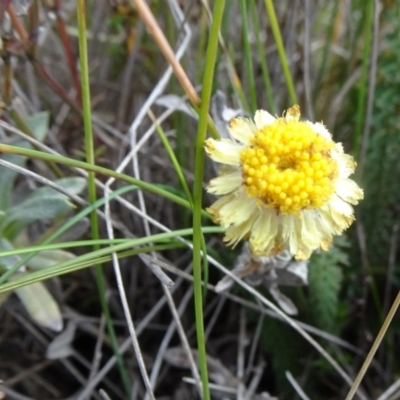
(285, 184)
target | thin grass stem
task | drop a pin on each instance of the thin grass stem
(262, 59)
(281, 50)
(198, 239)
(247, 56)
(90, 158)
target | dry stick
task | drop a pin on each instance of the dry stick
(254, 345)
(133, 129)
(391, 265)
(155, 30)
(158, 35)
(255, 382)
(374, 347)
(124, 347)
(155, 93)
(135, 146)
(97, 354)
(175, 325)
(214, 319)
(296, 386)
(391, 390)
(125, 306)
(241, 353)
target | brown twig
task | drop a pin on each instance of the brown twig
(158, 35)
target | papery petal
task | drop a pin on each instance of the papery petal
(262, 239)
(349, 191)
(235, 233)
(341, 212)
(223, 151)
(225, 184)
(263, 118)
(242, 129)
(214, 210)
(321, 130)
(237, 210)
(346, 164)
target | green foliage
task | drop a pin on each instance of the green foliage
(325, 277)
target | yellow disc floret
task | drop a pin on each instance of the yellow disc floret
(289, 167)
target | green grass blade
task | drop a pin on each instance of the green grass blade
(247, 56)
(90, 158)
(281, 50)
(90, 258)
(198, 239)
(154, 188)
(262, 58)
(173, 159)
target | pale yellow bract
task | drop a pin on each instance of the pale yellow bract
(285, 184)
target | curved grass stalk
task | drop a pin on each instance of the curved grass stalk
(153, 188)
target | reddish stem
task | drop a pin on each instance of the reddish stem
(57, 87)
(68, 51)
(17, 24)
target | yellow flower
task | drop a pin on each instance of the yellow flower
(284, 185)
